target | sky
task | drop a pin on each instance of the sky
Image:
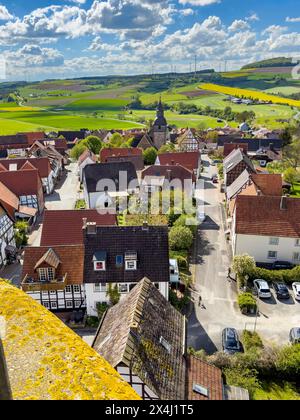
(42, 39)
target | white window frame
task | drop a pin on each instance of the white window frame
(128, 263)
(98, 262)
(69, 304)
(46, 305)
(54, 305)
(68, 289)
(76, 288)
(120, 285)
(296, 257)
(273, 240)
(272, 258)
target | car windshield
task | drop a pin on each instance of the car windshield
(264, 290)
(231, 344)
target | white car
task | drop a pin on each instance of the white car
(262, 288)
(296, 290)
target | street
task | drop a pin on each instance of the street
(219, 296)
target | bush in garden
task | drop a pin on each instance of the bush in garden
(180, 238)
(246, 301)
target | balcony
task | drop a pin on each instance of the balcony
(32, 285)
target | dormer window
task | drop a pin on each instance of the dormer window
(131, 261)
(99, 260)
(46, 274)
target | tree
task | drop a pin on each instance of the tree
(291, 176)
(116, 140)
(291, 153)
(21, 233)
(150, 156)
(187, 221)
(212, 137)
(166, 148)
(113, 294)
(77, 150)
(180, 238)
(94, 144)
(243, 265)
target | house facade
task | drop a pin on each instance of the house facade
(122, 256)
(7, 235)
(133, 155)
(267, 228)
(87, 158)
(188, 142)
(189, 160)
(235, 164)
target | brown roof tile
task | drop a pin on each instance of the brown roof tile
(229, 147)
(189, 160)
(8, 200)
(119, 152)
(71, 259)
(41, 164)
(64, 227)
(268, 184)
(205, 375)
(268, 216)
(25, 182)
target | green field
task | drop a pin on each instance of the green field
(102, 102)
(277, 391)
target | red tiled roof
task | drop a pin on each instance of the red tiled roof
(268, 184)
(25, 182)
(268, 216)
(32, 137)
(229, 147)
(87, 153)
(64, 227)
(189, 160)
(41, 164)
(205, 375)
(119, 152)
(8, 200)
(176, 172)
(71, 259)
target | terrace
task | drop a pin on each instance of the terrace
(30, 284)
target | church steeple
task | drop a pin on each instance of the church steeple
(160, 115)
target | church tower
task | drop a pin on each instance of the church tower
(160, 132)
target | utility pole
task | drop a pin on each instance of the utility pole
(195, 65)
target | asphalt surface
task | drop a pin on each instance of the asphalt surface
(219, 307)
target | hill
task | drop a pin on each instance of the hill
(273, 62)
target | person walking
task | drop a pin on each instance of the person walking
(200, 300)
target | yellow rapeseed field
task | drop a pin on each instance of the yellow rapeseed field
(250, 94)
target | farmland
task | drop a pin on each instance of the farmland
(105, 102)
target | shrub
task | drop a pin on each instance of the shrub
(180, 238)
(286, 276)
(150, 156)
(247, 302)
(178, 303)
(251, 341)
(101, 309)
(288, 362)
(243, 265)
(244, 378)
(113, 294)
(92, 321)
(187, 221)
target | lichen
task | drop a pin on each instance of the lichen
(46, 360)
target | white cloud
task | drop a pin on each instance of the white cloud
(199, 2)
(4, 13)
(187, 12)
(253, 17)
(238, 25)
(292, 20)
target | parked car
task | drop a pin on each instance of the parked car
(262, 288)
(230, 341)
(214, 179)
(282, 265)
(295, 336)
(282, 292)
(201, 216)
(296, 290)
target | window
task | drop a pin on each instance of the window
(53, 305)
(47, 274)
(52, 292)
(76, 289)
(123, 288)
(97, 288)
(297, 242)
(165, 344)
(274, 241)
(272, 255)
(51, 274)
(69, 304)
(99, 266)
(43, 274)
(46, 305)
(297, 257)
(77, 303)
(119, 260)
(130, 265)
(68, 289)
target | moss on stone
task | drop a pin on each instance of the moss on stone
(48, 361)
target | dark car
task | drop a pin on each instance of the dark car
(282, 265)
(230, 341)
(295, 336)
(282, 292)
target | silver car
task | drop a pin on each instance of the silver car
(262, 288)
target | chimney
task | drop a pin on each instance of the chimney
(173, 162)
(84, 223)
(145, 225)
(5, 390)
(91, 228)
(283, 203)
(259, 192)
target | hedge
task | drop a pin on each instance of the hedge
(247, 301)
(286, 276)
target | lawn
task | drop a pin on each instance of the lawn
(276, 391)
(283, 90)
(97, 104)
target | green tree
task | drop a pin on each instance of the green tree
(288, 361)
(21, 233)
(291, 175)
(150, 156)
(77, 150)
(212, 136)
(113, 294)
(116, 140)
(187, 221)
(94, 144)
(180, 237)
(166, 148)
(243, 266)
(291, 153)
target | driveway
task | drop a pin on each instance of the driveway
(219, 307)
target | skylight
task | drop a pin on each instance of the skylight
(199, 389)
(165, 344)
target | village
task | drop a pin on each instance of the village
(146, 236)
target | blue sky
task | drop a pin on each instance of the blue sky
(69, 38)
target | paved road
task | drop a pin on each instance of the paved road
(66, 192)
(219, 296)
